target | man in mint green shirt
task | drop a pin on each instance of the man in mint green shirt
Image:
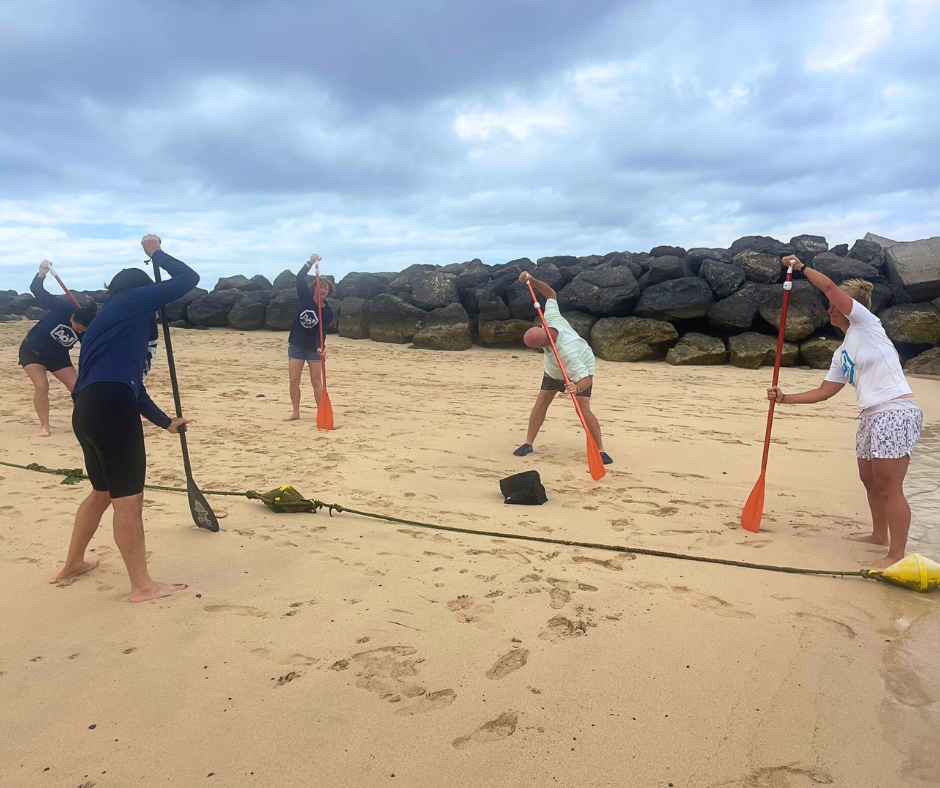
(578, 359)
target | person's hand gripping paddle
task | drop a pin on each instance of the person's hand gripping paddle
(325, 407)
(754, 508)
(202, 513)
(68, 292)
(595, 462)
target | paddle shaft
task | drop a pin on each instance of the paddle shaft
(787, 286)
(561, 366)
(68, 292)
(320, 321)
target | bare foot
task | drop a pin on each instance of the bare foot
(882, 563)
(67, 572)
(156, 591)
(869, 539)
(293, 417)
(44, 432)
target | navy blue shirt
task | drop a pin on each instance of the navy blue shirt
(53, 335)
(305, 332)
(114, 348)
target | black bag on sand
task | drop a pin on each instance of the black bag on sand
(523, 488)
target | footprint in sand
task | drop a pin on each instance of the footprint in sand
(468, 611)
(286, 679)
(560, 629)
(433, 701)
(501, 728)
(843, 629)
(238, 610)
(508, 663)
(713, 603)
(559, 598)
(385, 671)
(610, 563)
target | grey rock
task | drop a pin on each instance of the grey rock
(237, 282)
(19, 304)
(402, 284)
(286, 280)
(632, 338)
(915, 266)
(868, 252)
(581, 322)
(474, 273)
(617, 258)
(697, 349)
(447, 328)
(503, 332)
(752, 350)
(809, 243)
(723, 278)
(762, 243)
(213, 309)
(699, 255)
(259, 282)
(247, 315)
(354, 318)
(912, 324)
(677, 299)
(602, 292)
(560, 260)
(839, 269)
(176, 310)
(927, 363)
(492, 307)
(433, 289)
(805, 314)
(840, 250)
(336, 307)
(759, 267)
(662, 269)
(817, 351)
(362, 285)
(668, 251)
(282, 310)
(883, 242)
(736, 312)
(392, 320)
(881, 297)
(899, 294)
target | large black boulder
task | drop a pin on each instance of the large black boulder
(839, 269)
(677, 299)
(700, 254)
(213, 309)
(19, 304)
(392, 320)
(603, 292)
(809, 243)
(237, 282)
(868, 252)
(761, 267)
(259, 282)
(474, 273)
(361, 285)
(561, 261)
(433, 289)
(805, 314)
(662, 269)
(176, 310)
(736, 312)
(447, 328)
(402, 284)
(354, 316)
(668, 251)
(762, 243)
(282, 310)
(723, 278)
(285, 280)
(492, 307)
(247, 315)
(840, 250)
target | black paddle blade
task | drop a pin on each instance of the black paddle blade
(202, 513)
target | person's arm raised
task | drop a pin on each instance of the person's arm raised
(38, 289)
(543, 288)
(827, 389)
(182, 278)
(836, 295)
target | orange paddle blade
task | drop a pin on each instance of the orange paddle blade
(325, 413)
(595, 461)
(754, 508)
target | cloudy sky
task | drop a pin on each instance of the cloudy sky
(380, 134)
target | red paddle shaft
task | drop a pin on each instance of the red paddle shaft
(320, 321)
(67, 291)
(787, 287)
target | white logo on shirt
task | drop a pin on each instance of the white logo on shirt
(64, 335)
(308, 318)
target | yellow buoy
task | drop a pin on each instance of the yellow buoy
(912, 571)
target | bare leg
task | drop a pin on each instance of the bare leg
(879, 518)
(295, 368)
(591, 421)
(889, 480)
(37, 374)
(316, 378)
(537, 416)
(129, 535)
(67, 376)
(87, 519)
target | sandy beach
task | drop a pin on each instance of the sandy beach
(311, 650)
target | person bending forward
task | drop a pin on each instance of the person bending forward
(578, 359)
(109, 399)
(303, 344)
(46, 347)
(890, 420)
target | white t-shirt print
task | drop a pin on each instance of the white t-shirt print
(576, 354)
(868, 361)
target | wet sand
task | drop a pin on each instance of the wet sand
(342, 651)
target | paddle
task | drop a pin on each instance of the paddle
(202, 513)
(68, 292)
(754, 508)
(595, 462)
(324, 407)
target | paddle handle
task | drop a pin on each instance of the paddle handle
(320, 321)
(787, 287)
(68, 292)
(561, 366)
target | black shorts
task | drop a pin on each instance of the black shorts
(551, 384)
(106, 422)
(28, 357)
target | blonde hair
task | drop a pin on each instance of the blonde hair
(860, 290)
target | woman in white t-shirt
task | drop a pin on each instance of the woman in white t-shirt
(890, 421)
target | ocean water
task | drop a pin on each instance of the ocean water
(922, 486)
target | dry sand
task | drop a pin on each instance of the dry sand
(311, 650)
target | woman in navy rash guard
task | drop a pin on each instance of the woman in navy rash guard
(303, 344)
(109, 399)
(46, 347)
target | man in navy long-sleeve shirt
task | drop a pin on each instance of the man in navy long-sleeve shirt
(109, 399)
(46, 347)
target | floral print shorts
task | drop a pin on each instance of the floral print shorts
(888, 435)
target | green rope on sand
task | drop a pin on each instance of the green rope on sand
(287, 499)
